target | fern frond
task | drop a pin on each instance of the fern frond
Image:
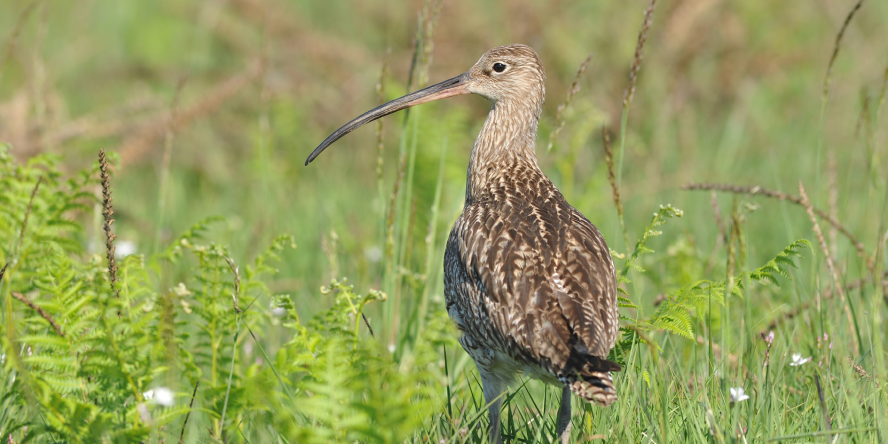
(781, 264)
(660, 218)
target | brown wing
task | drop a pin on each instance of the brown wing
(545, 282)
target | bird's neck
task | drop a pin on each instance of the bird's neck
(504, 148)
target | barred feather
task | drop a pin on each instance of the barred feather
(528, 279)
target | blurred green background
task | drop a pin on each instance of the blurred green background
(213, 106)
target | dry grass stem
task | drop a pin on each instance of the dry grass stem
(611, 174)
(829, 262)
(414, 60)
(367, 323)
(3, 271)
(187, 415)
(832, 59)
(27, 215)
(43, 314)
(757, 190)
(639, 53)
(137, 146)
(430, 14)
(559, 115)
(612, 177)
(107, 212)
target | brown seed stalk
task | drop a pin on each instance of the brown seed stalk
(832, 59)
(43, 314)
(757, 190)
(107, 212)
(187, 415)
(559, 115)
(611, 172)
(639, 53)
(829, 262)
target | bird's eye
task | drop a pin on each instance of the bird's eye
(499, 67)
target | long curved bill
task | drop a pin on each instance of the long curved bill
(448, 88)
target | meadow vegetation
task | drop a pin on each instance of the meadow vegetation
(171, 272)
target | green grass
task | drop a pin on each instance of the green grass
(727, 93)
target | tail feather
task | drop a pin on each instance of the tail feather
(597, 387)
(589, 376)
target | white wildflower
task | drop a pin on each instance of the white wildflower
(738, 394)
(164, 396)
(797, 360)
(161, 395)
(124, 248)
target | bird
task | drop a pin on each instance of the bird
(528, 280)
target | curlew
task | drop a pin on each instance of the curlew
(528, 279)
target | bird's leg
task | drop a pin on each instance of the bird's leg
(564, 425)
(493, 388)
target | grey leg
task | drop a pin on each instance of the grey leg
(563, 423)
(493, 388)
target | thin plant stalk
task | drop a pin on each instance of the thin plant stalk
(824, 101)
(431, 249)
(188, 415)
(832, 268)
(559, 114)
(627, 100)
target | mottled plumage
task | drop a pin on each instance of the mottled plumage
(528, 280)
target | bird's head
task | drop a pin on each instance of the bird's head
(508, 75)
